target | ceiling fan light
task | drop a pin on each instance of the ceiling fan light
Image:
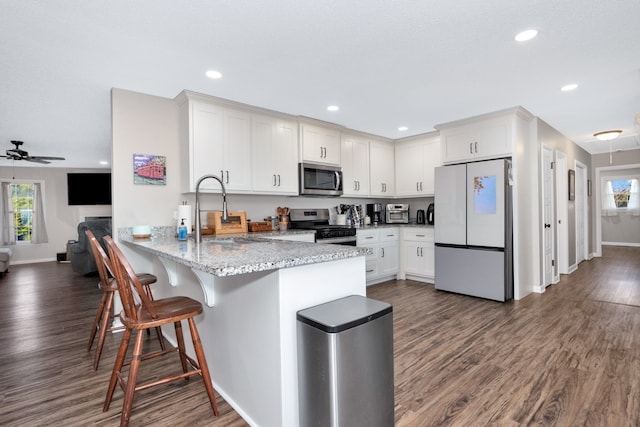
(607, 135)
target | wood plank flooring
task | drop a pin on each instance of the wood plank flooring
(568, 357)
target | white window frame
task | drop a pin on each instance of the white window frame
(13, 212)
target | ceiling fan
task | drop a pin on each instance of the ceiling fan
(18, 154)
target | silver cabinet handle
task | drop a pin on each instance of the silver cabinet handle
(471, 148)
(417, 251)
(382, 249)
(278, 180)
(476, 146)
(369, 237)
(419, 235)
(274, 179)
(369, 271)
(420, 185)
(421, 251)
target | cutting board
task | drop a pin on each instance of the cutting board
(237, 222)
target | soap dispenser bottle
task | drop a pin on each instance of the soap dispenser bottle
(182, 231)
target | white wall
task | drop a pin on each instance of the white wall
(61, 219)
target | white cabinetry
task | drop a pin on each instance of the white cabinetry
(383, 262)
(479, 138)
(418, 253)
(215, 140)
(355, 166)
(274, 155)
(320, 144)
(416, 161)
(382, 169)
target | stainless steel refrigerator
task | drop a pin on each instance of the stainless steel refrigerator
(473, 229)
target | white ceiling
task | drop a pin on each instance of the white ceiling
(386, 63)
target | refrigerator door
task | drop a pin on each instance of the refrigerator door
(486, 195)
(450, 198)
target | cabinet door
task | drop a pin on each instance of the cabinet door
(355, 166)
(409, 168)
(382, 169)
(274, 155)
(206, 142)
(388, 258)
(414, 260)
(237, 151)
(488, 139)
(320, 145)
(431, 160)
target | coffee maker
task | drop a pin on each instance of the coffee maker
(374, 211)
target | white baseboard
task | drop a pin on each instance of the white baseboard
(630, 244)
(32, 261)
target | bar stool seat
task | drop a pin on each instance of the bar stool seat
(109, 287)
(140, 316)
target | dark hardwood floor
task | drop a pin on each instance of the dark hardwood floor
(568, 357)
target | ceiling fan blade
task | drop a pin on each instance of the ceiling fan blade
(36, 160)
(45, 158)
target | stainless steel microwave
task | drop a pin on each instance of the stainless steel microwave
(320, 180)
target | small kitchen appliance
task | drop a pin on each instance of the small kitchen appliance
(318, 220)
(420, 217)
(374, 211)
(431, 213)
(398, 213)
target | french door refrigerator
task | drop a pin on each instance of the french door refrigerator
(473, 229)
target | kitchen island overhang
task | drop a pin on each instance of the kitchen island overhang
(252, 289)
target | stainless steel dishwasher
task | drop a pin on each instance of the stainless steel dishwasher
(345, 363)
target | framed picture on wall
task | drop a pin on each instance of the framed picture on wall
(572, 184)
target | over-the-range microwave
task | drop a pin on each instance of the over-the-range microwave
(320, 180)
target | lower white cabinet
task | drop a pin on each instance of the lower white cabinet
(418, 253)
(384, 260)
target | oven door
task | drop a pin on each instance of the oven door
(344, 240)
(320, 180)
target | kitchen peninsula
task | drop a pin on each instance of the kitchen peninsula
(251, 289)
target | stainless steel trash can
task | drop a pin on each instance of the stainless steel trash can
(345, 363)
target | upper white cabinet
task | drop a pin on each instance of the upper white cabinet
(416, 160)
(355, 165)
(478, 138)
(382, 169)
(320, 144)
(215, 140)
(274, 155)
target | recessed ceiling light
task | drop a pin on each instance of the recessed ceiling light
(569, 87)
(526, 35)
(104, 162)
(403, 128)
(213, 74)
(333, 108)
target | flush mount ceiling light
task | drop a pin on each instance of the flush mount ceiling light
(213, 74)
(569, 87)
(403, 128)
(607, 135)
(333, 108)
(526, 35)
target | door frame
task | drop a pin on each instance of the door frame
(581, 184)
(547, 152)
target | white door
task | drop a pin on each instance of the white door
(450, 199)
(547, 214)
(486, 203)
(562, 195)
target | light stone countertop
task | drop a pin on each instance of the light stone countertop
(230, 255)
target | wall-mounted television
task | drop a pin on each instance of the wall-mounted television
(89, 188)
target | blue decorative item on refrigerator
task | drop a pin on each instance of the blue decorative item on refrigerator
(182, 231)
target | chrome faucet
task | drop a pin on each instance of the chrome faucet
(225, 213)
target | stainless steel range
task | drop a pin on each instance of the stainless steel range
(318, 220)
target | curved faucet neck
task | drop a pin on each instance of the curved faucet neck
(225, 213)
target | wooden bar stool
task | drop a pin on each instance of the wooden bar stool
(109, 287)
(150, 314)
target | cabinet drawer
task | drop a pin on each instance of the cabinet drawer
(389, 234)
(367, 237)
(371, 269)
(419, 234)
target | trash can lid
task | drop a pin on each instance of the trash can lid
(344, 313)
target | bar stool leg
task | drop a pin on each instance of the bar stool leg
(202, 362)
(94, 327)
(181, 347)
(104, 327)
(117, 367)
(132, 380)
